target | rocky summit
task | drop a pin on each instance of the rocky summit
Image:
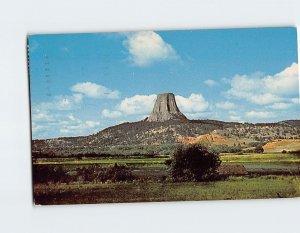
(166, 109)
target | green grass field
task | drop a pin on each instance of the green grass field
(269, 176)
(264, 163)
(233, 188)
(226, 158)
(260, 158)
(101, 161)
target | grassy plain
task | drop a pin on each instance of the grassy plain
(233, 188)
(264, 180)
(226, 158)
(260, 158)
(101, 161)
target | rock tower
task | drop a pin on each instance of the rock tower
(165, 109)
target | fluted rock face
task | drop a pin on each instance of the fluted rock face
(165, 109)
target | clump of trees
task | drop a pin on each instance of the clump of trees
(44, 174)
(227, 149)
(94, 173)
(194, 163)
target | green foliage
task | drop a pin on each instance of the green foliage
(94, 173)
(119, 173)
(297, 152)
(259, 149)
(44, 174)
(114, 173)
(194, 163)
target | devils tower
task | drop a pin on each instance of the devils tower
(165, 109)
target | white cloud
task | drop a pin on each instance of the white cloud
(146, 47)
(59, 124)
(284, 83)
(94, 90)
(197, 115)
(66, 102)
(263, 99)
(210, 82)
(92, 124)
(138, 104)
(77, 126)
(36, 128)
(61, 102)
(235, 118)
(280, 105)
(72, 118)
(111, 114)
(39, 115)
(295, 100)
(226, 105)
(262, 90)
(259, 114)
(194, 103)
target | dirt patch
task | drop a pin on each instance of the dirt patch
(282, 145)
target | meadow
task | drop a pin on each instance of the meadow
(267, 176)
(233, 188)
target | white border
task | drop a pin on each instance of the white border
(20, 18)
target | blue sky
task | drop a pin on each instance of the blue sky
(82, 83)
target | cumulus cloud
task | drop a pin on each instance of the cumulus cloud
(138, 104)
(66, 102)
(197, 115)
(210, 82)
(259, 114)
(111, 114)
(147, 47)
(295, 100)
(61, 102)
(36, 127)
(41, 115)
(75, 126)
(57, 124)
(263, 90)
(235, 118)
(193, 103)
(284, 83)
(280, 105)
(226, 105)
(94, 90)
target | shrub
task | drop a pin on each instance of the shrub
(259, 149)
(119, 173)
(112, 173)
(194, 163)
(44, 174)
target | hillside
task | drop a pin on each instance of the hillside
(210, 138)
(166, 125)
(287, 145)
(170, 132)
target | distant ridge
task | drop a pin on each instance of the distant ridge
(166, 125)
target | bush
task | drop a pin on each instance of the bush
(93, 173)
(259, 149)
(119, 173)
(194, 163)
(44, 174)
(112, 173)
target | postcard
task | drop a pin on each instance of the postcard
(182, 115)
